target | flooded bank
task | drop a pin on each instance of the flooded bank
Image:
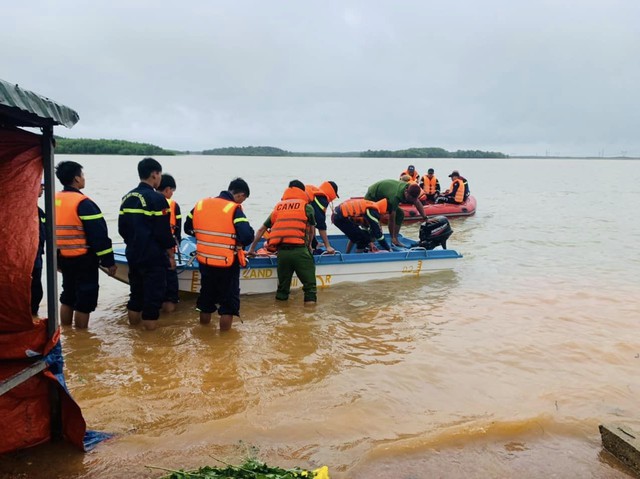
(503, 367)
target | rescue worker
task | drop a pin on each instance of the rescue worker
(221, 230)
(292, 226)
(458, 192)
(36, 275)
(359, 220)
(144, 226)
(431, 186)
(396, 192)
(412, 173)
(167, 188)
(83, 244)
(320, 197)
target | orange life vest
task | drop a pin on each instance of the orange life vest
(459, 198)
(356, 208)
(70, 234)
(289, 219)
(172, 214)
(325, 189)
(413, 177)
(215, 232)
(429, 184)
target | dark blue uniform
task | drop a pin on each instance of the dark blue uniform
(80, 281)
(36, 275)
(222, 285)
(144, 226)
(361, 237)
(320, 204)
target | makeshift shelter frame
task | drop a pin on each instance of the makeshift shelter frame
(23, 108)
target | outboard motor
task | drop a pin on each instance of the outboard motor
(435, 232)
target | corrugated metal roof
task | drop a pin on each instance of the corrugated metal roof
(26, 108)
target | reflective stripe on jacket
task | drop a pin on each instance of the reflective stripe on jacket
(430, 185)
(289, 219)
(459, 197)
(70, 234)
(215, 232)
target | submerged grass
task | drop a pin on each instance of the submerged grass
(251, 469)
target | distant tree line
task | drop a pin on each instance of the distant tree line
(431, 153)
(248, 151)
(85, 146)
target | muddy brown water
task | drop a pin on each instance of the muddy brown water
(503, 367)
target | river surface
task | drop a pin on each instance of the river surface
(503, 367)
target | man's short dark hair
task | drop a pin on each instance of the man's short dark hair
(148, 166)
(66, 171)
(167, 181)
(296, 184)
(238, 185)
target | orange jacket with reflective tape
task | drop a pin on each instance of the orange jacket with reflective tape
(289, 219)
(172, 214)
(215, 232)
(414, 177)
(356, 208)
(429, 184)
(70, 234)
(459, 198)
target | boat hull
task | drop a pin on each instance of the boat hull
(260, 276)
(449, 210)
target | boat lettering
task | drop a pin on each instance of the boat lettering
(195, 282)
(257, 273)
(324, 280)
(413, 270)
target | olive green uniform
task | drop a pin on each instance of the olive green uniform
(393, 191)
(299, 260)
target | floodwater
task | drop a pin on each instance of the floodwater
(503, 367)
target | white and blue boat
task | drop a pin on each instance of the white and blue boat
(260, 275)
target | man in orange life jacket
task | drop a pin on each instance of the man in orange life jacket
(411, 173)
(320, 197)
(359, 220)
(144, 226)
(458, 191)
(167, 188)
(292, 225)
(430, 184)
(221, 230)
(83, 243)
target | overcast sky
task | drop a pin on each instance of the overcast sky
(518, 76)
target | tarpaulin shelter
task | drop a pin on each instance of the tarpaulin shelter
(35, 405)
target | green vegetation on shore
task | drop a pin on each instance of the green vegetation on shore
(86, 146)
(408, 153)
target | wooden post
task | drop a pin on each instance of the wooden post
(623, 442)
(52, 268)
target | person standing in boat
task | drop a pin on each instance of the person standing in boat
(292, 224)
(431, 186)
(167, 188)
(83, 244)
(221, 230)
(396, 192)
(412, 173)
(359, 220)
(144, 225)
(36, 275)
(320, 197)
(458, 192)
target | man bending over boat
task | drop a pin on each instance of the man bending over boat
(396, 192)
(292, 225)
(221, 230)
(359, 220)
(320, 197)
